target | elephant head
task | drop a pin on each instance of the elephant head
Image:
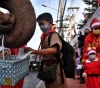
(17, 27)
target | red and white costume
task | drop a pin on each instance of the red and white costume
(92, 68)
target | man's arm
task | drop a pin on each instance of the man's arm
(48, 51)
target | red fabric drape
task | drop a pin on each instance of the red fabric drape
(98, 1)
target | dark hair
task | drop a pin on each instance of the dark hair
(86, 29)
(46, 17)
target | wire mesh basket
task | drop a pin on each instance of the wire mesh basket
(12, 70)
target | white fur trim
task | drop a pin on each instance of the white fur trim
(94, 24)
(92, 51)
(5, 11)
(88, 61)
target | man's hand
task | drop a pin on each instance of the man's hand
(28, 49)
(6, 53)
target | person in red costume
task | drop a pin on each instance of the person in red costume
(92, 38)
(12, 51)
(92, 69)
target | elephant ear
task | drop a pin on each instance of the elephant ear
(25, 22)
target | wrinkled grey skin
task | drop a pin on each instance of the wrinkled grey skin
(25, 22)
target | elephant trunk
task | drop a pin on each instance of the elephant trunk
(25, 22)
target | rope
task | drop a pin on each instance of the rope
(3, 47)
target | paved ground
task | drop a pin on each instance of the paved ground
(74, 83)
(31, 81)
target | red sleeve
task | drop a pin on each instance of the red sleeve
(14, 51)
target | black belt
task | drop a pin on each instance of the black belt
(93, 75)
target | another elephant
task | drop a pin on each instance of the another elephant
(25, 22)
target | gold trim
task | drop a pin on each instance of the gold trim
(8, 81)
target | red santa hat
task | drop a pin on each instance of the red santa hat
(94, 22)
(91, 51)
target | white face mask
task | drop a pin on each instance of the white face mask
(92, 57)
(44, 28)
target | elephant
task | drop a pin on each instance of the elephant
(21, 27)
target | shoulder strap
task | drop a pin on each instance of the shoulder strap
(49, 38)
(40, 45)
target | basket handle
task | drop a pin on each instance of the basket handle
(3, 47)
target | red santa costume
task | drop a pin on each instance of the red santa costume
(14, 51)
(92, 70)
(92, 39)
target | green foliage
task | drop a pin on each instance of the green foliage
(89, 11)
(82, 23)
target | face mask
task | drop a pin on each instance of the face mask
(96, 32)
(44, 28)
(92, 57)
